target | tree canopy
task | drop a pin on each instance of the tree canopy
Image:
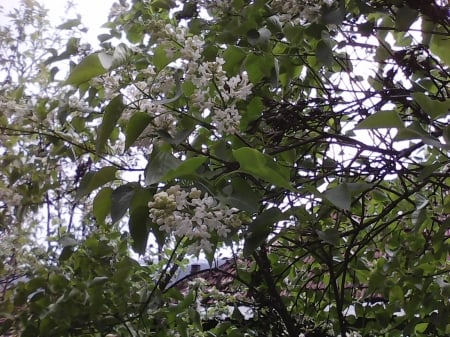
(307, 141)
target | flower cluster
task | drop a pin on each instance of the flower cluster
(15, 112)
(193, 215)
(118, 9)
(110, 84)
(8, 197)
(217, 93)
(305, 11)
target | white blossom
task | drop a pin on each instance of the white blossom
(191, 215)
(192, 48)
(9, 197)
(118, 9)
(305, 11)
(226, 121)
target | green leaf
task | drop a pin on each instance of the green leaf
(260, 229)
(324, 53)
(440, 44)
(382, 119)
(258, 37)
(420, 214)
(67, 240)
(335, 16)
(262, 166)
(396, 294)
(421, 327)
(162, 4)
(252, 112)
(242, 196)
(135, 126)
(233, 56)
(187, 167)
(121, 55)
(178, 91)
(405, 17)
(160, 59)
(428, 170)
(102, 204)
(330, 236)
(159, 164)
(121, 200)
(70, 24)
(112, 113)
(258, 66)
(91, 66)
(339, 196)
(138, 226)
(432, 107)
(274, 24)
(415, 131)
(98, 281)
(418, 217)
(93, 180)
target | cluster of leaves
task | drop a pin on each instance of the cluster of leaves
(339, 167)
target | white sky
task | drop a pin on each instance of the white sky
(93, 13)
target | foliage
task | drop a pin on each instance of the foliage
(308, 140)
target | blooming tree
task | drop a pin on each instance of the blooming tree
(306, 140)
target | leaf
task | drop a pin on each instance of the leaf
(91, 66)
(178, 91)
(159, 164)
(418, 217)
(93, 180)
(334, 16)
(274, 23)
(68, 240)
(260, 229)
(135, 126)
(187, 167)
(382, 119)
(242, 196)
(405, 17)
(428, 170)
(233, 56)
(102, 204)
(113, 111)
(420, 328)
(396, 294)
(121, 54)
(98, 281)
(139, 219)
(262, 166)
(258, 66)
(160, 58)
(339, 196)
(70, 24)
(324, 53)
(415, 131)
(121, 200)
(420, 214)
(440, 44)
(432, 107)
(252, 112)
(258, 37)
(330, 236)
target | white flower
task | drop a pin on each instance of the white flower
(118, 9)
(192, 48)
(190, 215)
(226, 121)
(307, 10)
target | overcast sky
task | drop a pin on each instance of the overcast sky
(93, 12)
